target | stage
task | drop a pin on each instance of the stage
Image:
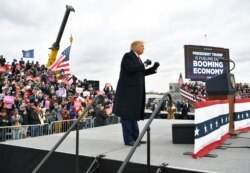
(25, 154)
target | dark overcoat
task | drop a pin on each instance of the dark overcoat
(185, 109)
(129, 100)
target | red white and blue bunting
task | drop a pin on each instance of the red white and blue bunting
(242, 114)
(211, 126)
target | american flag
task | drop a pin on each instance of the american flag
(62, 62)
(180, 80)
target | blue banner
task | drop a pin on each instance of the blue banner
(28, 53)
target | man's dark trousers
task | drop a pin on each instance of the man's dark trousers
(130, 130)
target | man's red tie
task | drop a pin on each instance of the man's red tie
(140, 60)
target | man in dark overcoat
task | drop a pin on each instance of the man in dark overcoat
(129, 100)
(185, 108)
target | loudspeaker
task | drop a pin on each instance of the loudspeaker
(183, 133)
(221, 85)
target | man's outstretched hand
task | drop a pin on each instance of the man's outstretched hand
(156, 65)
(147, 62)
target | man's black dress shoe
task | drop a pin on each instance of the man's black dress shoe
(131, 143)
(142, 142)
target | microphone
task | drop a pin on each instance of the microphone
(227, 60)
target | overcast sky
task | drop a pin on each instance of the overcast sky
(104, 29)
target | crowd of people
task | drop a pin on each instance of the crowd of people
(199, 89)
(181, 108)
(243, 90)
(195, 88)
(32, 94)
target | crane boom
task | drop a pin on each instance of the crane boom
(56, 46)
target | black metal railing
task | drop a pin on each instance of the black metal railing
(74, 126)
(146, 128)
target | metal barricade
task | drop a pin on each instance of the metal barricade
(23, 131)
(112, 119)
(63, 126)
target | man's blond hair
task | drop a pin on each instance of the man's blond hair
(135, 43)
